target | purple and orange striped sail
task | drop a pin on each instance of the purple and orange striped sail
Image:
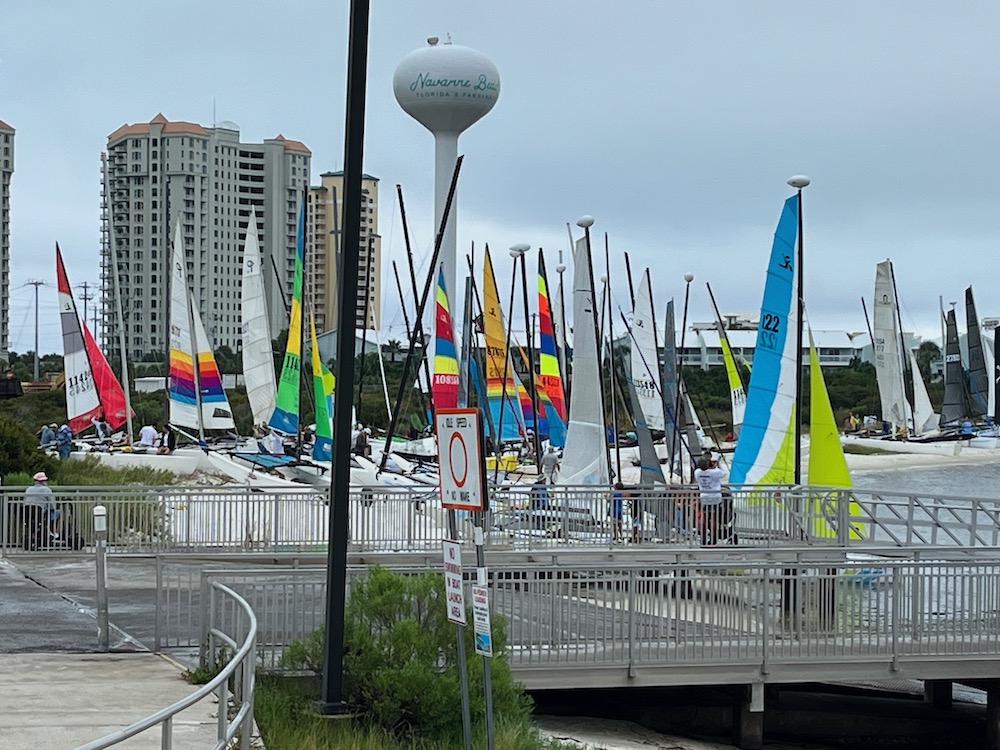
(444, 382)
(548, 360)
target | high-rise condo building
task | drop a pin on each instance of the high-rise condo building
(6, 172)
(163, 172)
(325, 225)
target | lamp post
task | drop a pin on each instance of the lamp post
(521, 251)
(799, 182)
(688, 278)
(585, 223)
(36, 283)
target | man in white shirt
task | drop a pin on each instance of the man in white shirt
(709, 476)
(147, 437)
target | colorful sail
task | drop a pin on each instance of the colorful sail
(648, 398)
(737, 393)
(827, 465)
(765, 453)
(285, 418)
(585, 459)
(183, 387)
(82, 401)
(216, 413)
(323, 445)
(444, 382)
(501, 390)
(258, 360)
(555, 427)
(109, 389)
(549, 374)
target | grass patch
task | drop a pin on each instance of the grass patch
(283, 709)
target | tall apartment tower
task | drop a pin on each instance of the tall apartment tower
(163, 172)
(6, 172)
(324, 231)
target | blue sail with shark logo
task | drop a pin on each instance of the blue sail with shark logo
(765, 453)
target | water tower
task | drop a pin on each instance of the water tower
(446, 88)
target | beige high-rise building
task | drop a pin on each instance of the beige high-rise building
(162, 172)
(324, 230)
(6, 172)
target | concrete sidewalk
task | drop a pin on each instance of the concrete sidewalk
(57, 692)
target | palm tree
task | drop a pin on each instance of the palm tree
(393, 348)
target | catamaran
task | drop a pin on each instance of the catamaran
(92, 389)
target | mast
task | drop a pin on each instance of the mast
(119, 315)
(611, 359)
(419, 334)
(799, 182)
(904, 360)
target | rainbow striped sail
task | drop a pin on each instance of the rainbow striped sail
(765, 453)
(216, 413)
(285, 418)
(444, 382)
(549, 376)
(183, 391)
(323, 446)
(501, 390)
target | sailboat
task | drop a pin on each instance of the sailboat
(501, 390)
(91, 386)
(285, 417)
(444, 382)
(645, 379)
(550, 374)
(979, 377)
(737, 392)
(953, 406)
(197, 399)
(258, 360)
(766, 451)
(585, 458)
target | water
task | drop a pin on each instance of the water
(979, 480)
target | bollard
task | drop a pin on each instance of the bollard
(101, 556)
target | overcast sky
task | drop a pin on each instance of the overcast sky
(674, 124)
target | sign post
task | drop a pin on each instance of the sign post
(463, 487)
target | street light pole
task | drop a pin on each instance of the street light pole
(688, 278)
(799, 182)
(36, 283)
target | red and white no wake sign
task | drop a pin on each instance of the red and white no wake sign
(460, 459)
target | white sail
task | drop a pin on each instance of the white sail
(645, 360)
(183, 387)
(991, 367)
(888, 357)
(258, 359)
(924, 418)
(585, 458)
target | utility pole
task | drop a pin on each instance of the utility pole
(86, 296)
(36, 283)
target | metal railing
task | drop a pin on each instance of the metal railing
(786, 619)
(230, 641)
(199, 519)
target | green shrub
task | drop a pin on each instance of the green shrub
(401, 659)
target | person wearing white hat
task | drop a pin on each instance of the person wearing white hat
(39, 495)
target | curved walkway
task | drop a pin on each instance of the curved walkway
(57, 692)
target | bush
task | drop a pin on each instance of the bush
(19, 454)
(401, 659)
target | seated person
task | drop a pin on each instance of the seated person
(39, 495)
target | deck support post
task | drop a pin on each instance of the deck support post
(938, 693)
(992, 716)
(748, 717)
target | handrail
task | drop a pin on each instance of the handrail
(243, 661)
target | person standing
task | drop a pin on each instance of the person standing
(617, 511)
(709, 476)
(40, 495)
(550, 465)
(64, 441)
(10, 386)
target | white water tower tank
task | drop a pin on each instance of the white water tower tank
(446, 88)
